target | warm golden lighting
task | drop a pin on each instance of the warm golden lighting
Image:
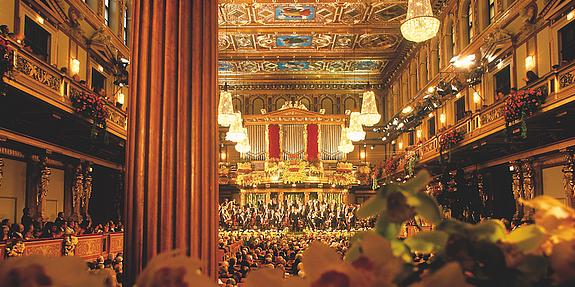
(476, 97)
(400, 145)
(100, 68)
(223, 156)
(463, 62)
(40, 20)
(431, 89)
(419, 25)
(120, 98)
(418, 134)
(345, 145)
(529, 62)
(571, 15)
(369, 114)
(362, 155)
(407, 110)
(355, 131)
(442, 118)
(243, 146)
(458, 95)
(430, 115)
(74, 66)
(237, 132)
(226, 114)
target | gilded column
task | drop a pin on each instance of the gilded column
(77, 191)
(87, 188)
(172, 152)
(1, 170)
(569, 176)
(528, 185)
(517, 188)
(43, 185)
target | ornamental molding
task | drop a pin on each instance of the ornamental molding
(300, 86)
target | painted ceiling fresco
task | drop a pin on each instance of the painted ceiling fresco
(332, 38)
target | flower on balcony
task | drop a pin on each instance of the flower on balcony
(6, 57)
(390, 166)
(450, 139)
(90, 106)
(521, 105)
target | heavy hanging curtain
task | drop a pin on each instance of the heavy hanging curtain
(274, 141)
(312, 142)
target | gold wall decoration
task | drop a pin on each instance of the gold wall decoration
(43, 185)
(1, 170)
(77, 191)
(528, 185)
(569, 176)
(69, 245)
(87, 189)
(331, 86)
(517, 188)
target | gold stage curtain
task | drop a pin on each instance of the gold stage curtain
(172, 152)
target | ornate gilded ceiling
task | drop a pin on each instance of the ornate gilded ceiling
(310, 40)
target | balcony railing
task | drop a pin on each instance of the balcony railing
(560, 87)
(43, 81)
(89, 247)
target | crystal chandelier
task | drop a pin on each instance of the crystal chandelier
(226, 109)
(355, 131)
(243, 146)
(345, 145)
(420, 25)
(237, 132)
(369, 114)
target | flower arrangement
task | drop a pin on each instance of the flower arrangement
(449, 139)
(342, 179)
(390, 166)
(6, 57)
(15, 248)
(90, 106)
(521, 105)
(411, 161)
(69, 245)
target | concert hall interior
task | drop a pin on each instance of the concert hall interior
(308, 143)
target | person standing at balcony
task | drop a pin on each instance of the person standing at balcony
(60, 219)
(26, 218)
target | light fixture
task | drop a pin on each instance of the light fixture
(407, 110)
(74, 66)
(442, 118)
(430, 115)
(345, 145)
(401, 125)
(372, 147)
(431, 89)
(100, 68)
(362, 155)
(476, 97)
(355, 132)
(571, 15)
(458, 95)
(400, 145)
(393, 142)
(419, 25)
(40, 20)
(395, 121)
(500, 64)
(384, 138)
(226, 114)
(463, 62)
(243, 146)
(418, 134)
(120, 99)
(529, 62)
(237, 132)
(223, 156)
(369, 114)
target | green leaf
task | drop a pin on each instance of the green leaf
(372, 207)
(425, 206)
(526, 238)
(417, 183)
(400, 250)
(491, 230)
(387, 229)
(427, 241)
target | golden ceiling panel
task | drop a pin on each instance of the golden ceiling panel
(231, 67)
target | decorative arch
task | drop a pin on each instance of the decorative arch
(306, 101)
(466, 18)
(257, 105)
(279, 102)
(238, 104)
(327, 104)
(448, 43)
(350, 103)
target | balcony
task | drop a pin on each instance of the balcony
(89, 247)
(48, 84)
(490, 120)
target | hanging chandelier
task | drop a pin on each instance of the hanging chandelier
(369, 115)
(355, 131)
(243, 146)
(237, 132)
(225, 109)
(345, 145)
(419, 25)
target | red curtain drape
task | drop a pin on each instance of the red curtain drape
(312, 142)
(274, 141)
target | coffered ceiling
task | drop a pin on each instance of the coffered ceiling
(309, 41)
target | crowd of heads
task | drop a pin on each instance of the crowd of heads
(291, 215)
(31, 228)
(249, 250)
(113, 264)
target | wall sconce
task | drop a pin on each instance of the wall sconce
(476, 97)
(442, 118)
(418, 134)
(407, 110)
(400, 145)
(120, 100)
(362, 155)
(100, 68)
(430, 115)
(571, 15)
(40, 20)
(223, 156)
(529, 62)
(431, 89)
(74, 66)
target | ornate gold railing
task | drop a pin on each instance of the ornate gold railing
(560, 87)
(43, 81)
(88, 247)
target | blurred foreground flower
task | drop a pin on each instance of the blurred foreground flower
(173, 269)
